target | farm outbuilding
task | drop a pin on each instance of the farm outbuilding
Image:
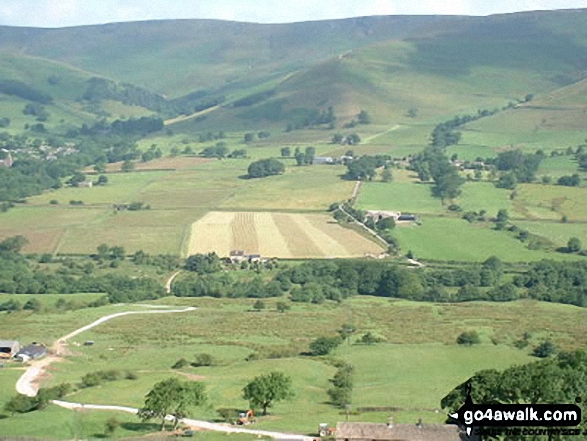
(8, 348)
(399, 432)
(31, 352)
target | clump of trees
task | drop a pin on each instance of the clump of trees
(517, 166)
(306, 157)
(23, 404)
(266, 167)
(433, 164)
(365, 167)
(341, 391)
(324, 345)
(569, 181)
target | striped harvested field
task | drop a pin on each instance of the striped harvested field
(280, 235)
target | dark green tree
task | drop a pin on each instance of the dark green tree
(265, 390)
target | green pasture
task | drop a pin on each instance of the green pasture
(551, 202)
(408, 197)
(557, 232)
(457, 239)
(412, 371)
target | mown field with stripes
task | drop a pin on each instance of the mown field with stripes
(282, 235)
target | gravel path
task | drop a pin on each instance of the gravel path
(28, 385)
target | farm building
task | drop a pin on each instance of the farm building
(8, 348)
(399, 432)
(407, 218)
(238, 256)
(323, 160)
(378, 215)
(85, 184)
(31, 352)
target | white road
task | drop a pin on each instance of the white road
(28, 385)
(196, 424)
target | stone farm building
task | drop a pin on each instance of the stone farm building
(8, 348)
(399, 432)
(397, 216)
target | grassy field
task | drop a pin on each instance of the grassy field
(420, 364)
(277, 235)
(456, 239)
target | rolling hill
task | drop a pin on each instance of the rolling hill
(441, 65)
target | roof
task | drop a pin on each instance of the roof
(8, 343)
(33, 351)
(398, 432)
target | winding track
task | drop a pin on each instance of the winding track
(27, 384)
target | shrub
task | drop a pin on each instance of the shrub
(203, 360)
(324, 345)
(181, 363)
(469, 338)
(544, 350)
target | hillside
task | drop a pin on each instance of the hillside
(439, 64)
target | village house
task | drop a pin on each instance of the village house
(399, 432)
(8, 348)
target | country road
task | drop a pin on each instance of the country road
(28, 385)
(196, 424)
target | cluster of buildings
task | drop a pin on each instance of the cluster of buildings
(239, 256)
(11, 350)
(397, 216)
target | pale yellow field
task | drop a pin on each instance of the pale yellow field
(280, 235)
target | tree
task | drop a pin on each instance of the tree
(110, 427)
(102, 180)
(14, 244)
(203, 263)
(32, 305)
(127, 166)
(469, 338)
(387, 175)
(413, 112)
(507, 180)
(342, 386)
(574, 245)
(172, 397)
(369, 338)
(259, 305)
(544, 350)
(285, 152)
(249, 137)
(386, 223)
(364, 117)
(265, 390)
(346, 331)
(203, 360)
(337, 138)
(282, 307)
(570, 181)
(265, 167)
(324, 345)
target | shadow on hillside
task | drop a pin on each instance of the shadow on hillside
(141, 427)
